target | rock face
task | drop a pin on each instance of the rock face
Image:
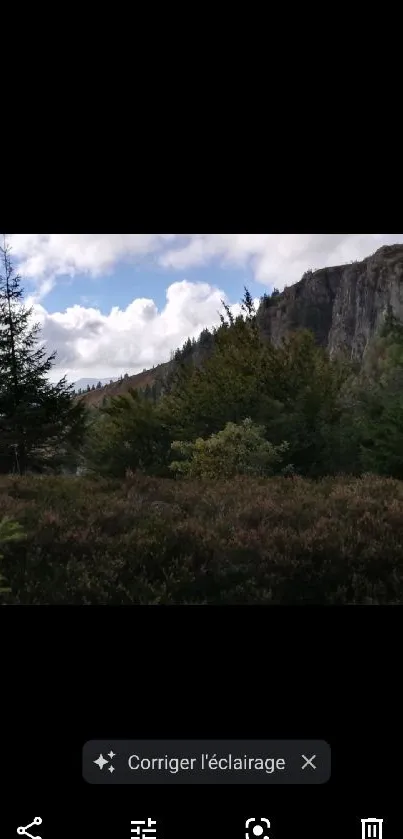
(343, 306)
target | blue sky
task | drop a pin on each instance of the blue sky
(116, 303)
(132, 281)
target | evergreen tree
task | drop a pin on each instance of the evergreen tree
(373, 406)
(292, 391)
(128, 433)
(99, 385)
(38, 420)
(88, 388)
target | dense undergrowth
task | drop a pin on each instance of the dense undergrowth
(145, 540)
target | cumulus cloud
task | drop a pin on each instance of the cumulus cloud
(91, 344)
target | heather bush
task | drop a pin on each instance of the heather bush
(144, 540)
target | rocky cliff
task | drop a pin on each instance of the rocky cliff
(343, 306)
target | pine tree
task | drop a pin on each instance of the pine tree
(38, 420)
(247, 304)
(99, 385)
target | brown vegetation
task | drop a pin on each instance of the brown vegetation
(159, 541)
(94, 398)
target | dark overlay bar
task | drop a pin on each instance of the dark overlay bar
(114, 762)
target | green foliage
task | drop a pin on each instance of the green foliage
(373, 418)
(292, 390)
(236, 450)
(37, 419)
(202, 399)
(127, 433)
(305, 384)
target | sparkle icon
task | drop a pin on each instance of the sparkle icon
(111, 769)
(111, 755)
(101, 762)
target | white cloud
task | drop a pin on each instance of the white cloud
(91, 344)
(275, 258)
(44, 256)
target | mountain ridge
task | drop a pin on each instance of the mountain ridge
(342, 305)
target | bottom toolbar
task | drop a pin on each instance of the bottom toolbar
(185, 823)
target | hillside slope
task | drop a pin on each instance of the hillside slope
(94, 398)
(343, 306)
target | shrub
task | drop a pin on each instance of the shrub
(239, 449)
(128, 432)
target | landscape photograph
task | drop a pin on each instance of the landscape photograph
(201, 419)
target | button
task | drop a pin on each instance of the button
(257, 827)
(308, 762)
(371, 828)
(23, 831)
(145, 829)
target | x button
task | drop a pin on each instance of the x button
(308, 762)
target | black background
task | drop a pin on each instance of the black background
(69, 675)
(72, 675)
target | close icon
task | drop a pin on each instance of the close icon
(257, 829)
(23, 831)
(309, 761)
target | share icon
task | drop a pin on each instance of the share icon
(23, 831)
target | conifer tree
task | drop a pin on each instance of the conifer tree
(38, 420)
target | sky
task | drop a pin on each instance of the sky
(111, 303)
